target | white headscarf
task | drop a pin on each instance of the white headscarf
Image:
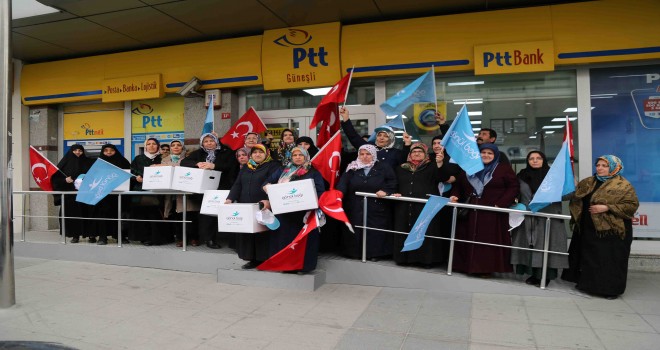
(357, 164)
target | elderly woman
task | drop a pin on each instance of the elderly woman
(73, 164)
(532, 231)
(253, 247)
(212, 155)
(496, 185)
(243, 156)
(146, 207)
(367, 174)
(384, 141)
(601, 217)
(107, 207)
(417, 177)
(300, 168)
(251, 139)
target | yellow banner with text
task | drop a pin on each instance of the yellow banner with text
(157, 116)
(133, 88)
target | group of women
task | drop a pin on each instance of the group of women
(601, 207)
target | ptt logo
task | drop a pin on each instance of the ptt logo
(89, 130)
(515, 58)
(142, 109)
(298, 37)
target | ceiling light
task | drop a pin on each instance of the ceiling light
(475, 113)
(528, 103)
(463, 83)
(573, 109)
(532, 137)
(563, 119)
(403, 116)
(318, 91)
(476, 129)
(29, 8)
(553, 127)
(475, 121)
(550, 132)
(468, 101)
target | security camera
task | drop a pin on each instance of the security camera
(190, 88)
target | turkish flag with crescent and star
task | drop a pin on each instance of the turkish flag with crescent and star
(328, 160)
(249, 122)
(42, 169)
(330, 203)
(327, 112)
(292, 257)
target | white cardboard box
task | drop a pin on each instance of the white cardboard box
(292, 196)
(157, 178)
(126, 185)
(195, 180)
(212, 201)
(239, 218)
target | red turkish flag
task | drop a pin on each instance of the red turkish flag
(42, 169)
(569, 131)
(328, 159)
(331, 204)
(292, 257)
(327, 112)
(249, 122)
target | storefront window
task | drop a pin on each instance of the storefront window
(361, 93)
(526, 110)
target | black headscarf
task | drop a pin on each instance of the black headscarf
(534, 177)
(117, 159)
(73, 165)
(313, 150)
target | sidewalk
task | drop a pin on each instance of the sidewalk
(95, 306)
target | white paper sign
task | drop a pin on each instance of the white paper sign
(212, 201)
(293, 196)
(157, 178)
(239, 218)
(195, 180)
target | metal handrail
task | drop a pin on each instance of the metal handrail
(452, 239)
(183, 221)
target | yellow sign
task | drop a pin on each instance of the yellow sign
(424, 115)
(537, 56)
(301, 57)
(133, 88)
(157, 116)
(94, 125)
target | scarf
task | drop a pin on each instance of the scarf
(357, 164)
(151, 155)
(251, 164)
(412, 165)
(312, 150)
(616, 167)
(72, 165)
(210, 153)
(177, 157)
(292, 172)
(116, 159)
(619, 196)
(390, 135)
(284, 153)
(534, 177)
(480, 179)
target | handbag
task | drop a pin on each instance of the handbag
(463, 213)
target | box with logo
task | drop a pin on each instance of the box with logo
(157, 178)
(126, 185)
(195, 180)
(212, 201)
(239, 218)
(292, 196)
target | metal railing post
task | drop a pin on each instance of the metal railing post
(185, 211)
(63, 223)
(450, 259)
(23, 218)
(119, 237)
(364, 231)
(546, 245)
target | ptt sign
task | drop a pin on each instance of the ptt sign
(514, 58)
(301, 57)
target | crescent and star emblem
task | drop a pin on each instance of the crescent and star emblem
(38, 179)
(334, 154)
(235, 134)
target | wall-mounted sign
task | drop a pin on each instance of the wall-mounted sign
(301, 57)
(537, 56)
(132, 88)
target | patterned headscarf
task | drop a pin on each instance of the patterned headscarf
(177, 157)
(616, 167)
(412, 165)
(284, 152)
(210, 153)
(357, 164)
(390, 134)
(292, 172)
(254, 165)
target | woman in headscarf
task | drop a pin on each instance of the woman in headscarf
(108, 206)
(307, 143)
(212, 155)
(496, 185)
(449, 172)
(251, 139)
(243, 156)
(287, 143)
(173, 207)
(417, 177)
(367, 174)
(531, 233)
(384, 143)
(73, 164)
(146, 207)
(253, 247)
(300, 168)
(602, 209)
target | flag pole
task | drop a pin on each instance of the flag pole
(348, 86)
(435, 94)
(212, 113)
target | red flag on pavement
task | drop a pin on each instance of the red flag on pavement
(330, 203)
(327, 111)
(42, 169)
(328, 160)
(249, 122)
(292, 257)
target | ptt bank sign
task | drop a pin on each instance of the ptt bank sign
(301, 57)
(537, 56)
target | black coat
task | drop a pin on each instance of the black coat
(225, 162)
(379, 243)
(391, 156)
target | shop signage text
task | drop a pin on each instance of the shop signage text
(535, 56)
(133, 88)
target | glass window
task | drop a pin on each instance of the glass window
(360, 93)
(526, 110)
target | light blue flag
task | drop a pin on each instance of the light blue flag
(208, 122)
(397, 122)
(557, 182)
(99, 181)
(420, 90)
(416, 235)
(460, 143)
